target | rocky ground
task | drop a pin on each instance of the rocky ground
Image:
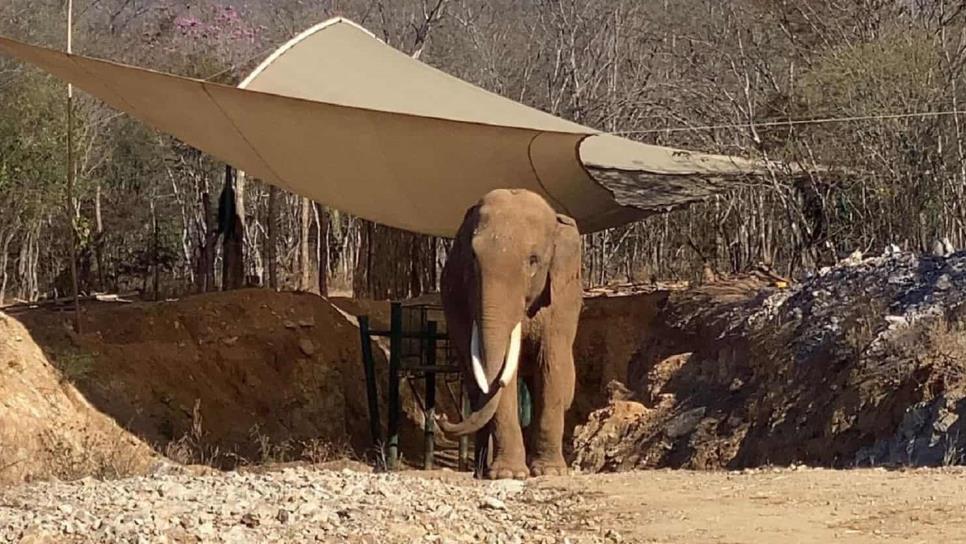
(862, 364)
(295, 504)
(303, 504)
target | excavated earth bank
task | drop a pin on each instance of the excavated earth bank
(862, 364)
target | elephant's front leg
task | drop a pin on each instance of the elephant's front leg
(509, 455)
(553, 394)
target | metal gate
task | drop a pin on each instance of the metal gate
(419, 350)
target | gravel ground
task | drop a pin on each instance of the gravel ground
(290, 505)
(800, 505)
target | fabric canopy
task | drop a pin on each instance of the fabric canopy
(340, 117)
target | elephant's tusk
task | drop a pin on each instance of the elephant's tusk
(512, 355)
(478, 373)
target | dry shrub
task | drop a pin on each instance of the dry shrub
(942, 347)
(97, 456)
(105, 456)
(314, 451)
(75, 366)
(195, 448)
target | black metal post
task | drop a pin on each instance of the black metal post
(395, 355)
(429, 438)
(464, 461)
(369, 366)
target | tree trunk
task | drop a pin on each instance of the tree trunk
(273, 237)
(231, 215)
(362, 271)
(4, 261)
(206, 250)
(415, 283)
(155, 257)
(394, 264)
(323, 222)
(99, 239)
(305, 259)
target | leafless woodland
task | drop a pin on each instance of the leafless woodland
(869, 90)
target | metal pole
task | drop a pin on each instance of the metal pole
(429, 441)
(464, 462)
(369, 366)
(395, 354)
(71, 209)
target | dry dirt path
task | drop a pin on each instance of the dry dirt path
(302, 504)
(781, 506)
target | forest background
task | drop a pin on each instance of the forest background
(871, 88)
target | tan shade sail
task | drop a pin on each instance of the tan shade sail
(340, 117)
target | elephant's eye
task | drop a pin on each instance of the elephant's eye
(534, 260)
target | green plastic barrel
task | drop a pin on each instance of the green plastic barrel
(524, 403)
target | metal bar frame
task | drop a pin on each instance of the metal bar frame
(429, 440)
(372, 393)
(395, 353)
(398, 368)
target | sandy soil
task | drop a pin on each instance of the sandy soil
(47, 428)
(801, 506)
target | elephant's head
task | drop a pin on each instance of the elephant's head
(512, 248)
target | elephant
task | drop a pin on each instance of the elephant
(512, 294)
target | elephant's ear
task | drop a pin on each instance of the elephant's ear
(459, 252)
(470, 220)
(565, 264)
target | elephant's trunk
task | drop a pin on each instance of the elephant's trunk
(505, 363)
(499, 326)
(495, 347)
(475, 421)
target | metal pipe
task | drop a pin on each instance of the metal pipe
(409, 335)
(369, 367)
(464, 457)
(395, 351)
(429, 441)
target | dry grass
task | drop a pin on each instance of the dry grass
(75, 366)
(195, 448)
(105, 456)
(946, 343)
(314, 451)
(100, 457)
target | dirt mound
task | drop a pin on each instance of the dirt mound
(861, 364)
(219, 378)
(48, 429)
(611, 330)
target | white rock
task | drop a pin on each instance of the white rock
(493, 503)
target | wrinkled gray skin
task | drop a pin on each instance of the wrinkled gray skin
(515, 260)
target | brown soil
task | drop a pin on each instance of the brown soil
(801, 506)
(683, 375)
(255, 376)
(48, 429)
(230, 378)
(611, 330)
(245, 375)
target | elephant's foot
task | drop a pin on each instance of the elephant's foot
(548, 467)
(501, 470)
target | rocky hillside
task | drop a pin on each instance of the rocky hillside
(863, 363)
